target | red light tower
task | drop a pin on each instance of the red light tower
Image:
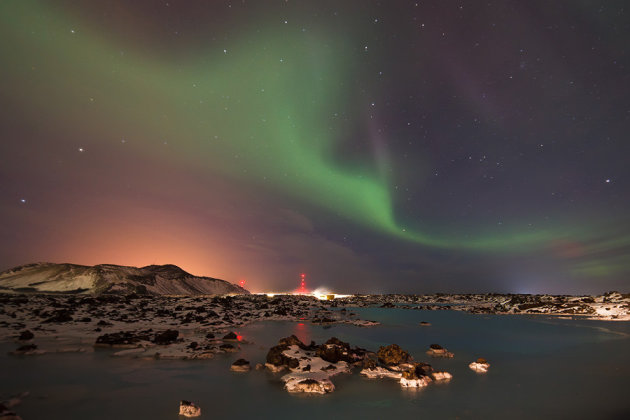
(302, 283)
(242, 283)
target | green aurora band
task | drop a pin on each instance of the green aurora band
(258, 112)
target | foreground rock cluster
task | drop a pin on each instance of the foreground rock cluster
(311, 367)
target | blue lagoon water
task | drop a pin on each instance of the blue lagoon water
(541, 367)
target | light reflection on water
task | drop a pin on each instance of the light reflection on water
(554, 368)
(303, 332)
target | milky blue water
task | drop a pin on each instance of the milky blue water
(540, 368)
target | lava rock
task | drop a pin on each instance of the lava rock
(435, 350)
(392, 355)
(241, 365)
(60, 316)
(480, 366)
(230, 336)
(166, 337)
(122, 338)
(276, 357)
(189, 409)
(310, 386)
(26, 335)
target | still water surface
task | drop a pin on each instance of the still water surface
(540, 368)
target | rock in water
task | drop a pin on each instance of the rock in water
(435, 350)
(310, 386)
(392, 355)
(419, 382)
(480, 366)
(189, 409)
(241, 365)
(441, 376)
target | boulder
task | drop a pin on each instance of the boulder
(122, 339)
(435, 350)
(241, 365)
(335, 350)
(292, 341)
(60, 316)
(26, 335)
(230, 336)
(189, 409)
(392, 355)
(277, 358)
(166, 337)
(311, 386)
(228, 348)
(480, 366)
(441, 376)
(415, 382)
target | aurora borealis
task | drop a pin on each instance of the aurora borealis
(377, 146)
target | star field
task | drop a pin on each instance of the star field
(378, 146)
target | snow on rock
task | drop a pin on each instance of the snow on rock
(312, 375)
(189, 409)
(109, 278)
(441, 376)
(380, 372)
(241, 365)
(309, 385)
(435, 350)
(480, 366)
(415, 382)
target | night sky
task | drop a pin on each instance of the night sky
(377, 146)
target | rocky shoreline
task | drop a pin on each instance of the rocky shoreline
(194, 327)
(611, 306)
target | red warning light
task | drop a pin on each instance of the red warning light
(242, 283)
(302, 283)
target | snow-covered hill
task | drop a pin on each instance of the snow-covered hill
(108, 278)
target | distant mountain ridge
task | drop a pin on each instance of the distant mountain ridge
(109, 278)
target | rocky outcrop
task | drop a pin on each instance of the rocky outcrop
(189, 409)
(241, 365)
(435, 350)
(231, 336)
(277, 360)
(309, 385)
(392, 355)
(335, 350)
(481, 365)
(166, 337)
(312, 366)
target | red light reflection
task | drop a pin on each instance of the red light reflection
(303, 332)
